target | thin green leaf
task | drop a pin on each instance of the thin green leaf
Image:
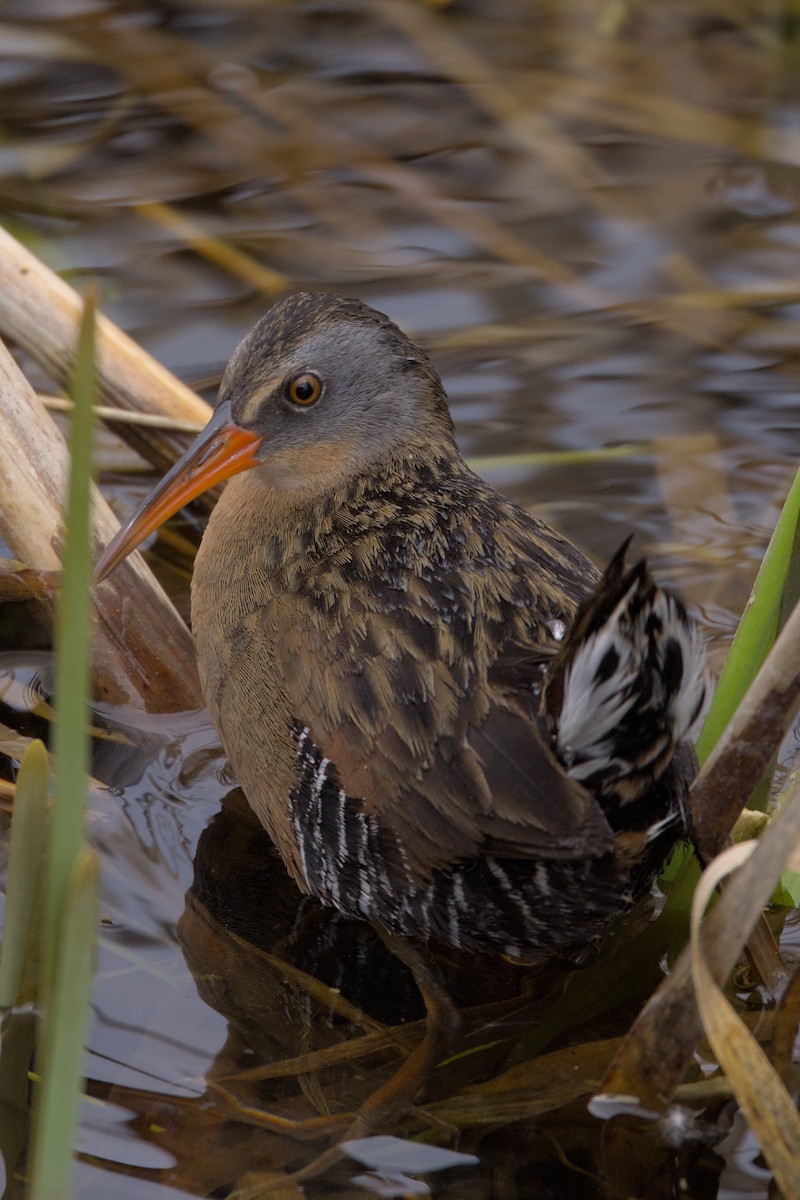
(70, 911)
(554, 458)
(771, 601)
(787, 892)
(18, 1032)
(59, 1093)
(758, 627)
(25, 853)
(71, 747)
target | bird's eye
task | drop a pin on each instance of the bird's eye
(304, 389)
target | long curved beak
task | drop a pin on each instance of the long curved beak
(223, 449)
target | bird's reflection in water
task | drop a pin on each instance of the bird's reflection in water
(251, 939)
(241, 890)
(308, 993)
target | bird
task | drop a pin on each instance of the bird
(448, 721)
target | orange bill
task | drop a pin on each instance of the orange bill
(222, 450)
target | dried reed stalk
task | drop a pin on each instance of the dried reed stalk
(41, 313)
(130, 665)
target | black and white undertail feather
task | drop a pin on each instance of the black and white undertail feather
(624, 692)
(513, 906)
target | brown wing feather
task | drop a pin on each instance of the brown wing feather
(441, 743)
(406, 629)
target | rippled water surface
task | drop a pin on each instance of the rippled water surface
(587, 214)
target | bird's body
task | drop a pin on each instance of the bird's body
(383, 645)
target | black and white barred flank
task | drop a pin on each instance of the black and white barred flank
(513, 906)
(347, 857)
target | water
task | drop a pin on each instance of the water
(588, 215)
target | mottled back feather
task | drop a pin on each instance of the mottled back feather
(389, 618)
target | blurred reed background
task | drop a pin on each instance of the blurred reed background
(588, 214)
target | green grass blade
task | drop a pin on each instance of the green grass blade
(555, 458)
(18, 1032)
(759, 624)
(71, 886)
(70, 742)
(59, 1093)
(771, 601)
(25, 852)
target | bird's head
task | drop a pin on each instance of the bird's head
(322, 389)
